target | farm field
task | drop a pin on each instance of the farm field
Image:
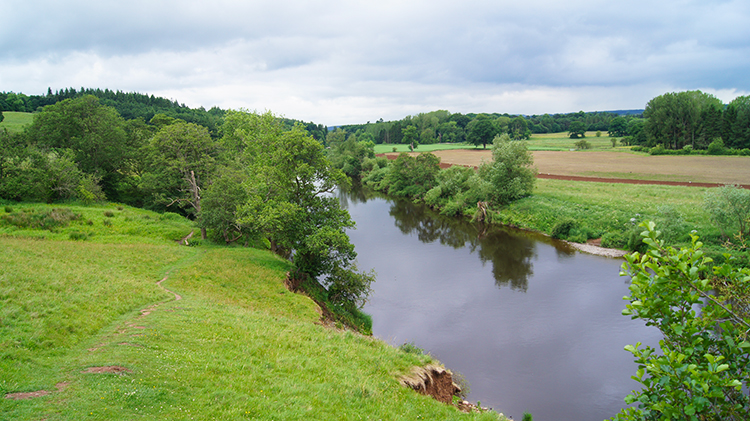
(613, 164)
(15, 121)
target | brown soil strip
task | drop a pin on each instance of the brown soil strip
(113, 369)
(37, 394)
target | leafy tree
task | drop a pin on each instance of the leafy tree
(2, 117)
(703, 313)
(348, 155)
(181, 159)
(511, 173)
(288, 181)
(410, 135)
(577, 130)
(618, 127)
(519, 129)
(220, 205)
(93, 132)
(678, 119)
(480, 131)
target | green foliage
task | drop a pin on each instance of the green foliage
(583, 144)
(717, 147)
(577, 130)
(410, 348)
(701, 367)
(729, 207)
(527, 417)
(681, 118)
(481, 131)
(562, 228)
(350, 154)
(511, 173)
(407, 176)
(285, 197)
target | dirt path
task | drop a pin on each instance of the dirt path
(105, 369)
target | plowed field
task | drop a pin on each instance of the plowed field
(616, 166)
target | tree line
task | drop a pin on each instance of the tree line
(133, 106)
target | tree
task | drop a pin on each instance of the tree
(703, 314)
(519, 129)
(511, 172)
(181, 159)
(288, 181)
(618, 127)
(684, 118)
(2, 117)
(93, 132)
(577, 129)
(480, 131)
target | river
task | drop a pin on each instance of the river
(530, 323)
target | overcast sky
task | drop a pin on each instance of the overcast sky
(340, 62)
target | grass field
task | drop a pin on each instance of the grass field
(15, 121)
(86, 321)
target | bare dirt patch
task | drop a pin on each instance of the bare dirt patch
(113, 369)
(36, 394)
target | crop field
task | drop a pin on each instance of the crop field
(609, 164)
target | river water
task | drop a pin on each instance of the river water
(531, 324)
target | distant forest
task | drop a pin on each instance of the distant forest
(684, 121)
(132, 106)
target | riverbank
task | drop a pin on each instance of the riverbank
(88, 314)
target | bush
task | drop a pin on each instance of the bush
(613, 240)
(109, 214)
(410, 348)
(78, 236)
(717, 147)
(583, 144)
(562, 229)
(8, 209)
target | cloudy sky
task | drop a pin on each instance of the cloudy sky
(338, 62)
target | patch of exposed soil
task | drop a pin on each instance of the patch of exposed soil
(37, 394)
(113, 369)
(432, 380)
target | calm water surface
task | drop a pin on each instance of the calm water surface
(533, 326)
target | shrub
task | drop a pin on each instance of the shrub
(410, 348)
(78, 236)
(562, 228)
(583, 144)
(109, 214)
(613, 240)
(8, 209)
(717, 147)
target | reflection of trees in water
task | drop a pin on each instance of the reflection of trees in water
(510, 255)
(354, 194)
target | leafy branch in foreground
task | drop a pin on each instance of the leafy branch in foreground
(701, 371)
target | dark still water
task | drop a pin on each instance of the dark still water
(532, 326)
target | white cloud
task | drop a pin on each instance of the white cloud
(347, 61)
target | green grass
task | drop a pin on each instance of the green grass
(386, 148)
(537, 142)
(238, 345)
(15, 121)
(561, 142)
(608, 207)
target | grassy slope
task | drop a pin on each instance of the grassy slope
(237, 345)
(15, 121)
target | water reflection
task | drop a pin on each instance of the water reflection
(511, 256)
